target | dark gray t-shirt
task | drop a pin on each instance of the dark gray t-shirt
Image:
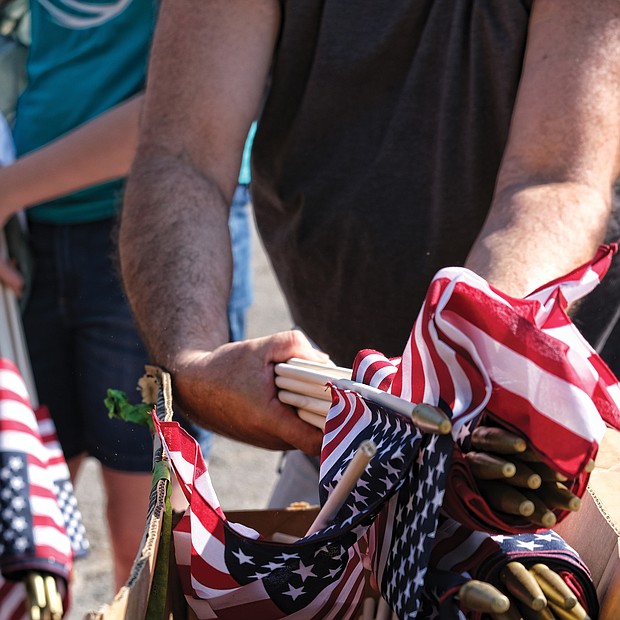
(376, 155)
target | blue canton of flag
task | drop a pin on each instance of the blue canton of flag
(410, 468)
(294, 577)
(16, 523)
(62, 485)
(72, 517)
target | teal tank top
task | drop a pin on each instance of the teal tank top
(86, 57)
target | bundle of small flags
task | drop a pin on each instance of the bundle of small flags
(519, 364)
(41, 528)
(538, 570)
(475, 356)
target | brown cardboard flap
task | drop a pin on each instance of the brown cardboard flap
(594, 531)
(294, 522)
(131, 600)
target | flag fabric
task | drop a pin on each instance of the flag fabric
(40, 525)
(415, 465)
(517, 363)
(460, 554)
(228, 571)
(473, 351)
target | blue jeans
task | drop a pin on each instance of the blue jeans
(82, 339)
(241, 240)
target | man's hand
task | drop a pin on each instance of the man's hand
(232, 391)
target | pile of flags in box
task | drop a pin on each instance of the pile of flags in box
(414, 520)
(41, 528)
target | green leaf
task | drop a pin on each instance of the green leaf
(119, 407)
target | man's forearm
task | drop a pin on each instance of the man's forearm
(175, 257)
(204, 91)
(537, 233)
(553, 195)
(97, 151)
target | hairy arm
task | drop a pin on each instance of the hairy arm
(553, 194)
(209, 66)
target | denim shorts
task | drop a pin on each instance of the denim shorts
(82, 340)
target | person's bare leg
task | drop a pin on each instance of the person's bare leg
(127, 503)
(74, 465)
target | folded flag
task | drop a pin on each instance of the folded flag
(460, 554)
(40, 526)
(477, 351)
(406, 480)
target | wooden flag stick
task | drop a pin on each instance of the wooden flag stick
(316, 405)
(556, 495)
(6, 342)
(302, 387)
(345, 485)
(575, 613)
(299, 373)
(312, 418)
(54, 601)
(542, 515)
(344, 373)
(488, 467)
(525, 477)
(493, 439)
(427, 418)
(554, 586)
(482, 597)
(523, 585)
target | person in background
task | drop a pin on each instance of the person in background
(7, 148)
(81, 336)
(395, 139)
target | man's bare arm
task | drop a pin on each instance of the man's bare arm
(553, 194)
(209, 66)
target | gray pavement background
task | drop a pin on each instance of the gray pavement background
(243, 476)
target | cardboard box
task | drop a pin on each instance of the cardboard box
(131, 601)
(594, 531)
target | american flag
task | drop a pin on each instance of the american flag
(40, 525)
(466, 353)
(405, 480)
(228, 571)
(520, 361)
(460, 554)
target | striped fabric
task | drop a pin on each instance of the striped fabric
(522, 362)
(40, 526)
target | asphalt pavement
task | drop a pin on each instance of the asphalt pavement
(242, 476)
